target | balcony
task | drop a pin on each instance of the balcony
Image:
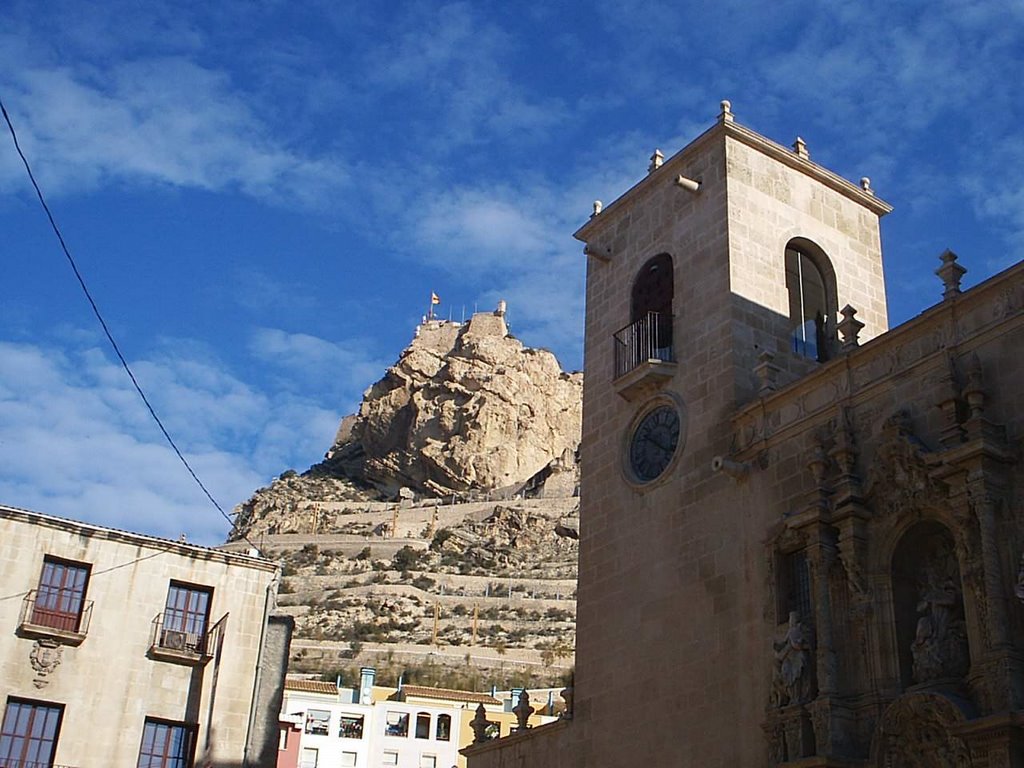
(62, 624)
(644, 356)
(11, 762)
(170, 642)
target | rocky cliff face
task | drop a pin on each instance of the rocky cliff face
(466, 407)
(466, 410)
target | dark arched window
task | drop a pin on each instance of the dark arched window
(649, 333)
(444, 727)
(810, 283)
(652, 290)
(928, 602)
(651, 306)
(423, 725)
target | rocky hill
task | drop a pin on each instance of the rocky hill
(441, 525)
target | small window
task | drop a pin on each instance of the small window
(318, 722)
(351, 727)
(61, 595)
(423, 725)
(428, 761)
(444, 727)
(309, 759)
(282, 738)
(186, 618)
(348, 759)
(167, 744)
(29, 733)
(389, 758)
(396, 724)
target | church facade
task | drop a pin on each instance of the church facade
(800, 529)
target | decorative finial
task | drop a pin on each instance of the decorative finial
(523, 710)
(479, 724)
(656, 160)
(800, 147)
(849, 328)
(598, 205)
(726, 115)
(865, 184)
(950, 272)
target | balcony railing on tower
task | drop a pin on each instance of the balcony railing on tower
(647, 339)
(644, 357)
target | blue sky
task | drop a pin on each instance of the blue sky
(262, 195)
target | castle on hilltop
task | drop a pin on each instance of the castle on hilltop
(799, 529)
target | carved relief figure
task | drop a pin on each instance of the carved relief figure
(940, 643)
(930, 605)
(792, 679)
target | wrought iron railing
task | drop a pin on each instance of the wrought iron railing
(174, 638)
(10, 762)
(649, 338)
(36, 615)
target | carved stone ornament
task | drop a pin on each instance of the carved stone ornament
(481, 726)
(939, 648)
(44, 657)
(917, 731)
(899, 481)
(791, 681)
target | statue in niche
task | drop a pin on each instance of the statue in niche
(792, 679)
(939, 648)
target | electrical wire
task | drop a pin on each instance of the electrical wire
(109, 335)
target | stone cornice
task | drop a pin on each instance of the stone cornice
(191, 551)
(853, 377)
(720, 130)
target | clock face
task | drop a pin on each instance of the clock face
(654, 443)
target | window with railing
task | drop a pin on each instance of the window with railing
(185, 618)
(182, 633)
(647, 339)
(28, 734)
(167, 744)
(59, 601)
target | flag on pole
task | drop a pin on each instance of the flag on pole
(434, 298)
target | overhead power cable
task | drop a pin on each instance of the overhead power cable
(106, 330)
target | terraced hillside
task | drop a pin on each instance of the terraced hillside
(440, 530)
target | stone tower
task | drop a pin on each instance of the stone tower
(799, 530)
(690, 293)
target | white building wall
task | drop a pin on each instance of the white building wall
(331, 746)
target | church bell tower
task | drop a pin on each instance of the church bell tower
(736, 266)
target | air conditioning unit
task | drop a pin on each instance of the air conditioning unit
(174, 640)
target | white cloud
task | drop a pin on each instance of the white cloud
(159, 120)
(320, 365)
(76, 440)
